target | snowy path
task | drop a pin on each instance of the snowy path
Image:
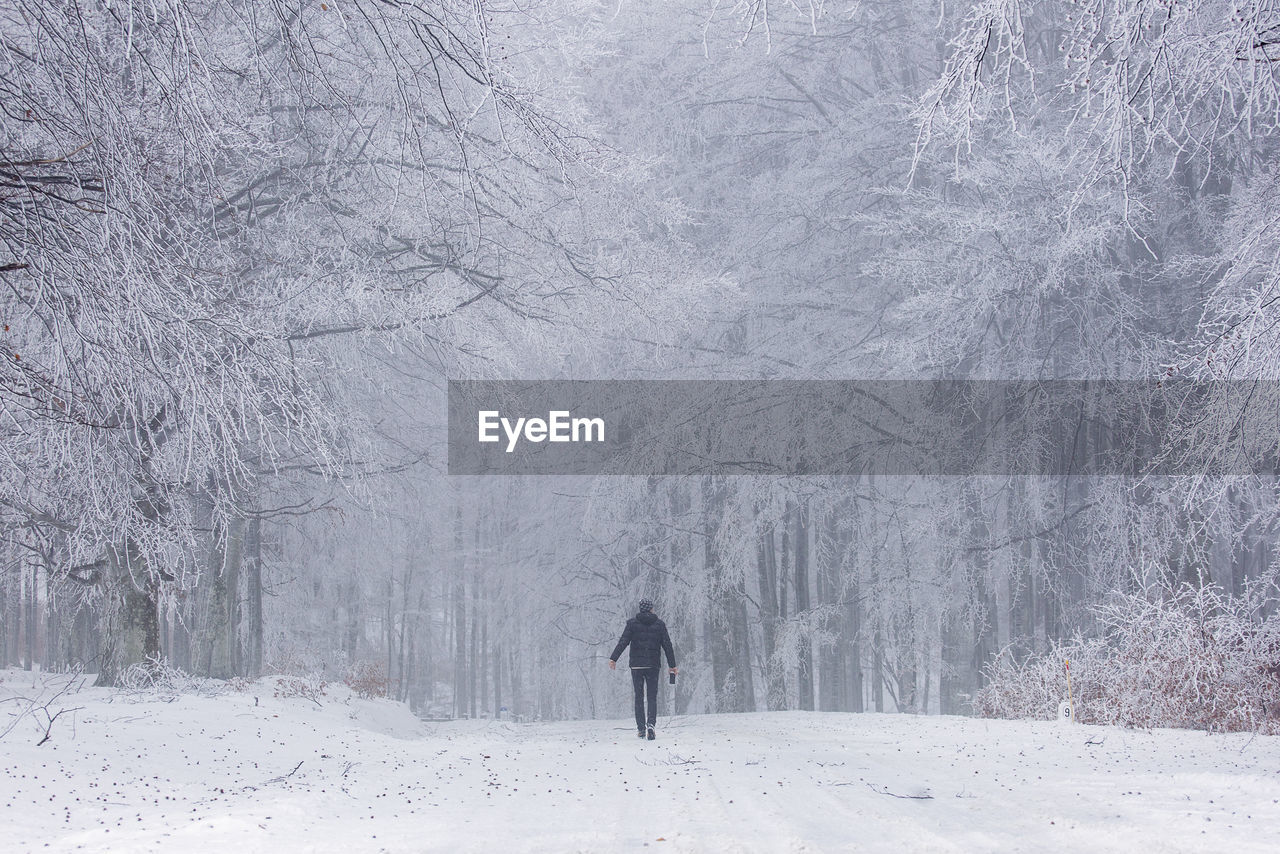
(221, 773)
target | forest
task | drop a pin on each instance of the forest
(245, 247)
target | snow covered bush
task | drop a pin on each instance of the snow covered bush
(1193, 658)
(367, 679)
(308, 687)
(158, 676)
(298, 672)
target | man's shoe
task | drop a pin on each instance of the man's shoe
(651, 735)
(640, 734)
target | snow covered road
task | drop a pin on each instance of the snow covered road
(247, 771)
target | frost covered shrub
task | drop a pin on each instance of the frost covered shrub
(299, 673)
(307, 687)
(157, 676)
(367, 679)
(1194, 659)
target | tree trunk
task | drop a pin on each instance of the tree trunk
(718, 626)
(742, 634)
(224, 609)
(404, 666)
(513, 667)
(29, 619)
(473, 653)
(56, 642)
(253, 599)
(853, 623)
(830, 673)
(877, 671)
(484, 664)
(496, 656)
(389, 634)
(804, 663)
(6, 617)
(355, 618)
(428, 672)
(767, 571)
(132, 619)
(459, 649)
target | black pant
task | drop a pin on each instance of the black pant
(645, 681)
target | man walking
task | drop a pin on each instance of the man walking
(648, 638)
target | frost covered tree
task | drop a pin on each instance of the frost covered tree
(212, 211)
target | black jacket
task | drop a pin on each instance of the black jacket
(647, 635)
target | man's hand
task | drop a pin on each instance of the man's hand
(613, 665)
(675, 670)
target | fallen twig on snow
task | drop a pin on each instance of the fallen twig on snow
(40, 703)
(672, 760)
(284, 777)
(48, 730)
(924, 797)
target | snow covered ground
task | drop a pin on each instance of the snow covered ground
(248, 771)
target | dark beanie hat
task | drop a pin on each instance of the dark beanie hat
(646, 605)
